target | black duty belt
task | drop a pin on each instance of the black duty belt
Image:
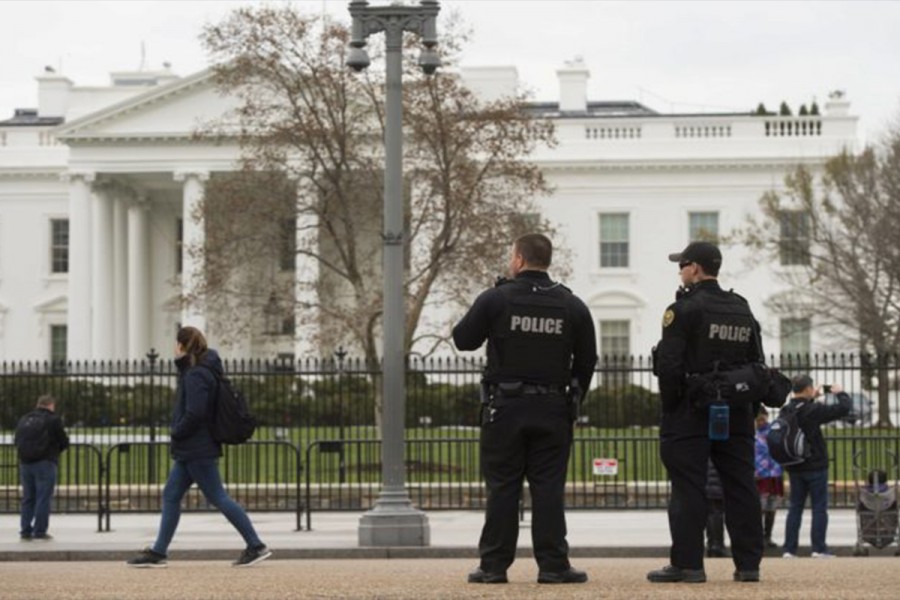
(536, 389)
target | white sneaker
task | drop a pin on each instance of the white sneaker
(788, 555)
(822, 555)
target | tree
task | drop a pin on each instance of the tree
(848, 272)
(803, 111)
(761, 109)
(310, 132)
(784, 110)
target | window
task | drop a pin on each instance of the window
(59, 245)
(287, 247)
(615, 350)
(794, 241)
(614, 240)
(288, 325)
(179, 245)
(795, 334)
(58, 340)
(703, 227)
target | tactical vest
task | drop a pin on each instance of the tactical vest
(533, 339)
(726, 331)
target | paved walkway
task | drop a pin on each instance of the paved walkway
(454, 534)
(619, 578)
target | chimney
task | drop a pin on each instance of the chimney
(837, 105)
(53, 93)
(573, 78)
(490, 83)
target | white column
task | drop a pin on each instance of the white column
(306, 278)
(102, 319)
(138, 280)
(193, 248)
(120, 277)
(79, 300)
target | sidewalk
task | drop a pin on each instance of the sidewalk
(454, 534)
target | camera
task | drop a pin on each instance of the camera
(826, 388)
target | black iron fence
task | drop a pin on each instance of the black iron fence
(318, 449)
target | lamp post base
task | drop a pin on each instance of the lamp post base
(394, 522)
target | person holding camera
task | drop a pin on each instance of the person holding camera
(541, 353)
(810, 477)
(708, 333)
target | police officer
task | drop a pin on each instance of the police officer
(707, 330)
(541, 353)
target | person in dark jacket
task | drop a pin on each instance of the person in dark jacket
(810, 478)
(196, 453)
(541, 353)
(39, 438)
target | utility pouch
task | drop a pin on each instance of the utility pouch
(510, 389)
(485, 393)
(573, 397)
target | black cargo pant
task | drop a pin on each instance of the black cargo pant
(686, 461)
(525, 436)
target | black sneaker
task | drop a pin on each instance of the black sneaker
(25, 537)
(570, 575)
(42, 537)
(479, 576)
(251, 556)
(672, 574)
(746, 575)
(148, 558)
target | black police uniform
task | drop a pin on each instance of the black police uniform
(540, 336)
(706, 325)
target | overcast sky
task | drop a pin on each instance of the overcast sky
(672, 56)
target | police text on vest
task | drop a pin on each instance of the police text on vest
(729, 333)
(547, 325)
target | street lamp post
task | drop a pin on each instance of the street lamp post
(341, 354)
(393, 521)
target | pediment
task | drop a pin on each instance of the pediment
(54, 304)
(616, 299)
(174, 110)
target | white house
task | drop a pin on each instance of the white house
(99, 185)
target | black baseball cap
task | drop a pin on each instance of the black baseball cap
(800, 383)
(705, 254)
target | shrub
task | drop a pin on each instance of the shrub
(622, 405)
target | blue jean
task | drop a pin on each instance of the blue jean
(38, 480)
(205, 473)
(815, 485)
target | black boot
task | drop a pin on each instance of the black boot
(768, 525)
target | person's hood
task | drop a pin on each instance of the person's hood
(211, 359)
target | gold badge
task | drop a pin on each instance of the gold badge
(668, 317)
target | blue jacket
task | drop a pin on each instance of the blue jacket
(191, 437)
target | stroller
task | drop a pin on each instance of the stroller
(877, 518)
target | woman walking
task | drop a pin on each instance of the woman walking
(196, 454)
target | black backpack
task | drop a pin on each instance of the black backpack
(33, 437)
(786, 440)
(231, 422)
